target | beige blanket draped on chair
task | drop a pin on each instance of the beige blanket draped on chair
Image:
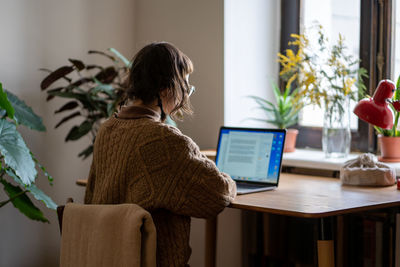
(107, 235)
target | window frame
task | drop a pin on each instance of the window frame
(375, 55)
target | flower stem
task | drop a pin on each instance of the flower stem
(395, 124)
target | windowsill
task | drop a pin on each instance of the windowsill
(312, 159)
(315, 159)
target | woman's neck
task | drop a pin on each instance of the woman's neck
(139, 103)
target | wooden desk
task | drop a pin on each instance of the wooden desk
(317, 197)
(307, 197)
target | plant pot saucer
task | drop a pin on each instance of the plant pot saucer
(383, 159)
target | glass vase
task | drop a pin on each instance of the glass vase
(336, 135)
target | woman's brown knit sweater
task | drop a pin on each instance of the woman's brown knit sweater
(138, 159)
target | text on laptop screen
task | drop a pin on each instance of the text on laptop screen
(250, 155)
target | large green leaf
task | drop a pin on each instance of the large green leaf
(50, 71)
(107, 75)
(77, 63)
(78, 131)
(22, 202)
(126, 62)
(5, 103)
(68, 106)
(36, 192)
(55, 75)
(73, 115)
(90, 67)
(24, 114)
(41, 196)
(16, 153)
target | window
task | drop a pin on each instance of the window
(396, 41)
(335, 16)
(374, 49)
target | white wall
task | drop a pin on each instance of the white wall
(45, 33)
(195, 27)
(251, 47)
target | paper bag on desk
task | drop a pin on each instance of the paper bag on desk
(366, 170)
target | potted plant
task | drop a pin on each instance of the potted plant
(94, 95)
(325, 76)
(283, 114)
(17, 169)
(388, 138)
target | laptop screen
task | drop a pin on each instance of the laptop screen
(251, 155)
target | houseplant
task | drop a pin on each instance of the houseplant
(17, 170)
(326, 76)
(94, 94)
(388, 138)
(283, 114)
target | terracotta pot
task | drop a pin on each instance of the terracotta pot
(290, 142)
(390, 148)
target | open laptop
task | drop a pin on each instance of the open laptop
(252, 157)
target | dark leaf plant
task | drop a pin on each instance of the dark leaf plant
(394, 132)
(284, 113)
(18, 165)
(94, 93)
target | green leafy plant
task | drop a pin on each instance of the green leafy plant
(94, 93)
(284, 113)
(394, 132)
(17, 169)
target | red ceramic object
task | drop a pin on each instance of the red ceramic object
(290, 141)
(375, 110)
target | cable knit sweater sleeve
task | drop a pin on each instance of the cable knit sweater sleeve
(90, 184)
(195, 186)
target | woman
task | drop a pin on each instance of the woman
(139, 159)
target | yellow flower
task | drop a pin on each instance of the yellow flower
(291, 79)
(348, 84)
(318, 83)
(288, 62)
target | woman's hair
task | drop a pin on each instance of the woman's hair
(160, 66)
